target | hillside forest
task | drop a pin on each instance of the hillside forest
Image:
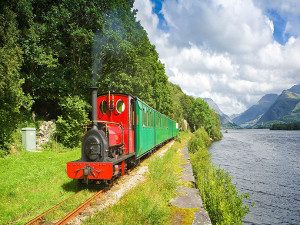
(46, 67)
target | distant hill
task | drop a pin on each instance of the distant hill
(295, 89)
(234, 116)
(272, 109)
(254, 113)
(286, 108)
(225, 120)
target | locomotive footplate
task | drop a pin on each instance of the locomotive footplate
(90, 170)
(97, 170)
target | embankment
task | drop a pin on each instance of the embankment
(220, 196)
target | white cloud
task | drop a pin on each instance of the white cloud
(193, 59)
(222, 49)
(233, 26)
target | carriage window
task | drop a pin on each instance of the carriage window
(152, 119)
(120, 106)
(103, 107)
(144, 117)
(147, 118)
(159, 121)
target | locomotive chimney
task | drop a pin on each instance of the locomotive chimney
(95, 68)
(94, 105)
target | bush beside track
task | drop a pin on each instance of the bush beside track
(220, 196)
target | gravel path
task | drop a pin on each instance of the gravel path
(189, 197)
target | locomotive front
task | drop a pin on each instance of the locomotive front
(94, 146)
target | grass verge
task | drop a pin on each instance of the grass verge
(33, 182)
(148, 203)
(219, 195)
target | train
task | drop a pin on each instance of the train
(124, 129)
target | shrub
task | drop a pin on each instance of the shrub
(202, 115)
(220, 196)
(199, 141)
(70, 125)
(3, 153)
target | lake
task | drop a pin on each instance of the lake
(265, 164)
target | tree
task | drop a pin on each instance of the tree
(57, 43)
(12, 97)
(203, 116)
(70, 125)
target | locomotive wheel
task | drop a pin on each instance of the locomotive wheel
(94, 146)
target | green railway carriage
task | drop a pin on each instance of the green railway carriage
(152, 128)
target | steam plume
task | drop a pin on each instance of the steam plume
(97, 65)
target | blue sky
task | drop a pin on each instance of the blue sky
(233, 51)
(157, 6)
(279, 22)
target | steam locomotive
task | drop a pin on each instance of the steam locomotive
(124, 129)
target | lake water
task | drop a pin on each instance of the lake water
(265, 164)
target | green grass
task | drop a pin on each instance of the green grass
(148, 203)
(33, 182)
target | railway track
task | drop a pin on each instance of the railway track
(40, 219)
(71, 215)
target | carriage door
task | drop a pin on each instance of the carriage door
(131, 127)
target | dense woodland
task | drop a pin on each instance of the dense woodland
(285, 126)
(46, 66)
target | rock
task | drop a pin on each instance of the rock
(201, 218)
(188, 198)
(45, 133)
(184, 125)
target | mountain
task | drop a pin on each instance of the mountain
(225, 120)
(254, 113)
(286, 108)
(295, 89)
(234, 115)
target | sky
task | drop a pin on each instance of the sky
(232, 51)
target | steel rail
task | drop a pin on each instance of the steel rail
(39, 219)
(71, 215)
